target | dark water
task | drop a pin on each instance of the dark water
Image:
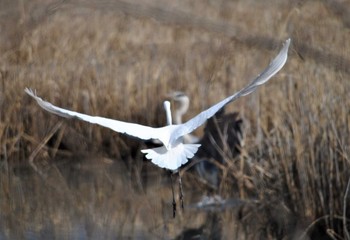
(98, 198)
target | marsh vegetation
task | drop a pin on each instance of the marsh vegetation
(68, 179)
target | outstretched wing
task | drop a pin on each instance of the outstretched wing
(132, 129)
(270, 71)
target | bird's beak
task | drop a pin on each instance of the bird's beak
(170, 95)
(174, 94)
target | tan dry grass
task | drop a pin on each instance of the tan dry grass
(115, 61)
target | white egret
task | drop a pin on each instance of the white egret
(174, 152)
(223, 134)
(183, 104)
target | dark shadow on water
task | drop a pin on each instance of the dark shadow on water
(100, 198)
(87, 198)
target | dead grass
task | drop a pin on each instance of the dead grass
(119, 59)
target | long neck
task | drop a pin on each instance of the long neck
(182, 109)
(168, 112)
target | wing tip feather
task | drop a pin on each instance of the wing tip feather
(30, 92)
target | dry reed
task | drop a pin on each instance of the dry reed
(119, 59)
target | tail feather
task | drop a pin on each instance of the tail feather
(173, 158)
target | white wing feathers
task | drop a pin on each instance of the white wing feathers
(132, 129)
(173, 154)
(270, 71)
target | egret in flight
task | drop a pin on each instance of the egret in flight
(174, 152)
(223, 136)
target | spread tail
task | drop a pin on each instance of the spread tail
(173, 158)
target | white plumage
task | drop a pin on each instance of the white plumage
(174, 153)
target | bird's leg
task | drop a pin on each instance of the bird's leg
(181, 192)
(172, 189)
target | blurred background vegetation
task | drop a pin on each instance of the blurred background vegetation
(67, 179)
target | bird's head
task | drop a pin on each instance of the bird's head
(182, 103)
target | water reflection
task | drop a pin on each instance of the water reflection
(97, 198)
(100, 198)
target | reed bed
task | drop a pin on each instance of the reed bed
(119, 59)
